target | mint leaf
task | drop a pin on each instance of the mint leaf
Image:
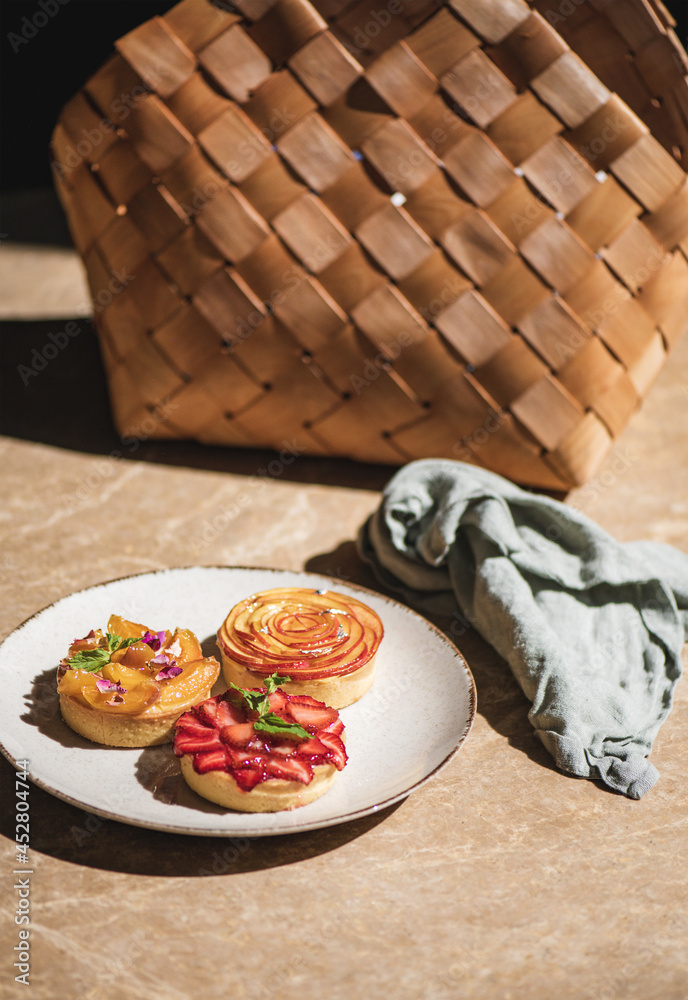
(90, 659)
(116, 642)
(277, 726)
(256, 700)
(96, 658)
(273, 682)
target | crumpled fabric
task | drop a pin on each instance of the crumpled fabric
(592, 628)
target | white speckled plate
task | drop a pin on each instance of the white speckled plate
(412, 721)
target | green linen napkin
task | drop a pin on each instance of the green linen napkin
(592, 628)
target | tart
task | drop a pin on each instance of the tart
(260, 750)
(325, 641)
(126, 687)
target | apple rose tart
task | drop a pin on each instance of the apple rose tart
(325, 641)
(260, 750)
(126, 687)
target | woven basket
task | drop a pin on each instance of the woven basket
(386, 230)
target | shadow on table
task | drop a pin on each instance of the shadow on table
(64, 402)
(69, 834)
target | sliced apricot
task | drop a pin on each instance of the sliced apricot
(135, 700)
(82, 684)
(196, 677)
(135, 656)
(88, 642)
(74, 682)
(189, 646)
(128, 677)
(126, 629)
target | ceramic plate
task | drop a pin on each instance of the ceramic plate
(411, 722)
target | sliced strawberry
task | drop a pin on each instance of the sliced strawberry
(281, 747)
(289, 768)
(278, 701)
(190, 723)
(311, 714)
(207, 710)
(310, 748)
(196, 742)
(304, 699)
(244, 758)
(248, 777)
(238, 736)
(336, 751)
(229, 714)
(215, 760)
(337, 728)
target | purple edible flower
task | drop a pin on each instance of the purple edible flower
(161, 658)
(104, 685)
(91, 635)
(171, 671)
(154, 640)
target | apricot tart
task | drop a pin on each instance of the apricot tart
(260, 750)
(126, 687)
(325, 641)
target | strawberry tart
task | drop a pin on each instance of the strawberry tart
(126, 687)
(260, 750)
(325, 641)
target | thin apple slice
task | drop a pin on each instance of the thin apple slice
(303, 633)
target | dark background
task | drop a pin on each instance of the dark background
(46, 71)
(42, 74)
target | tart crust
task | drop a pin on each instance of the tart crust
(149, 728)
(337, 692)
(273, 795)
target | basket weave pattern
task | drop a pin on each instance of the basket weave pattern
(386, 231)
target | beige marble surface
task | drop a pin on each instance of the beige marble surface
(501, 879)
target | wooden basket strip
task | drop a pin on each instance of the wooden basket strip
(454, 229)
